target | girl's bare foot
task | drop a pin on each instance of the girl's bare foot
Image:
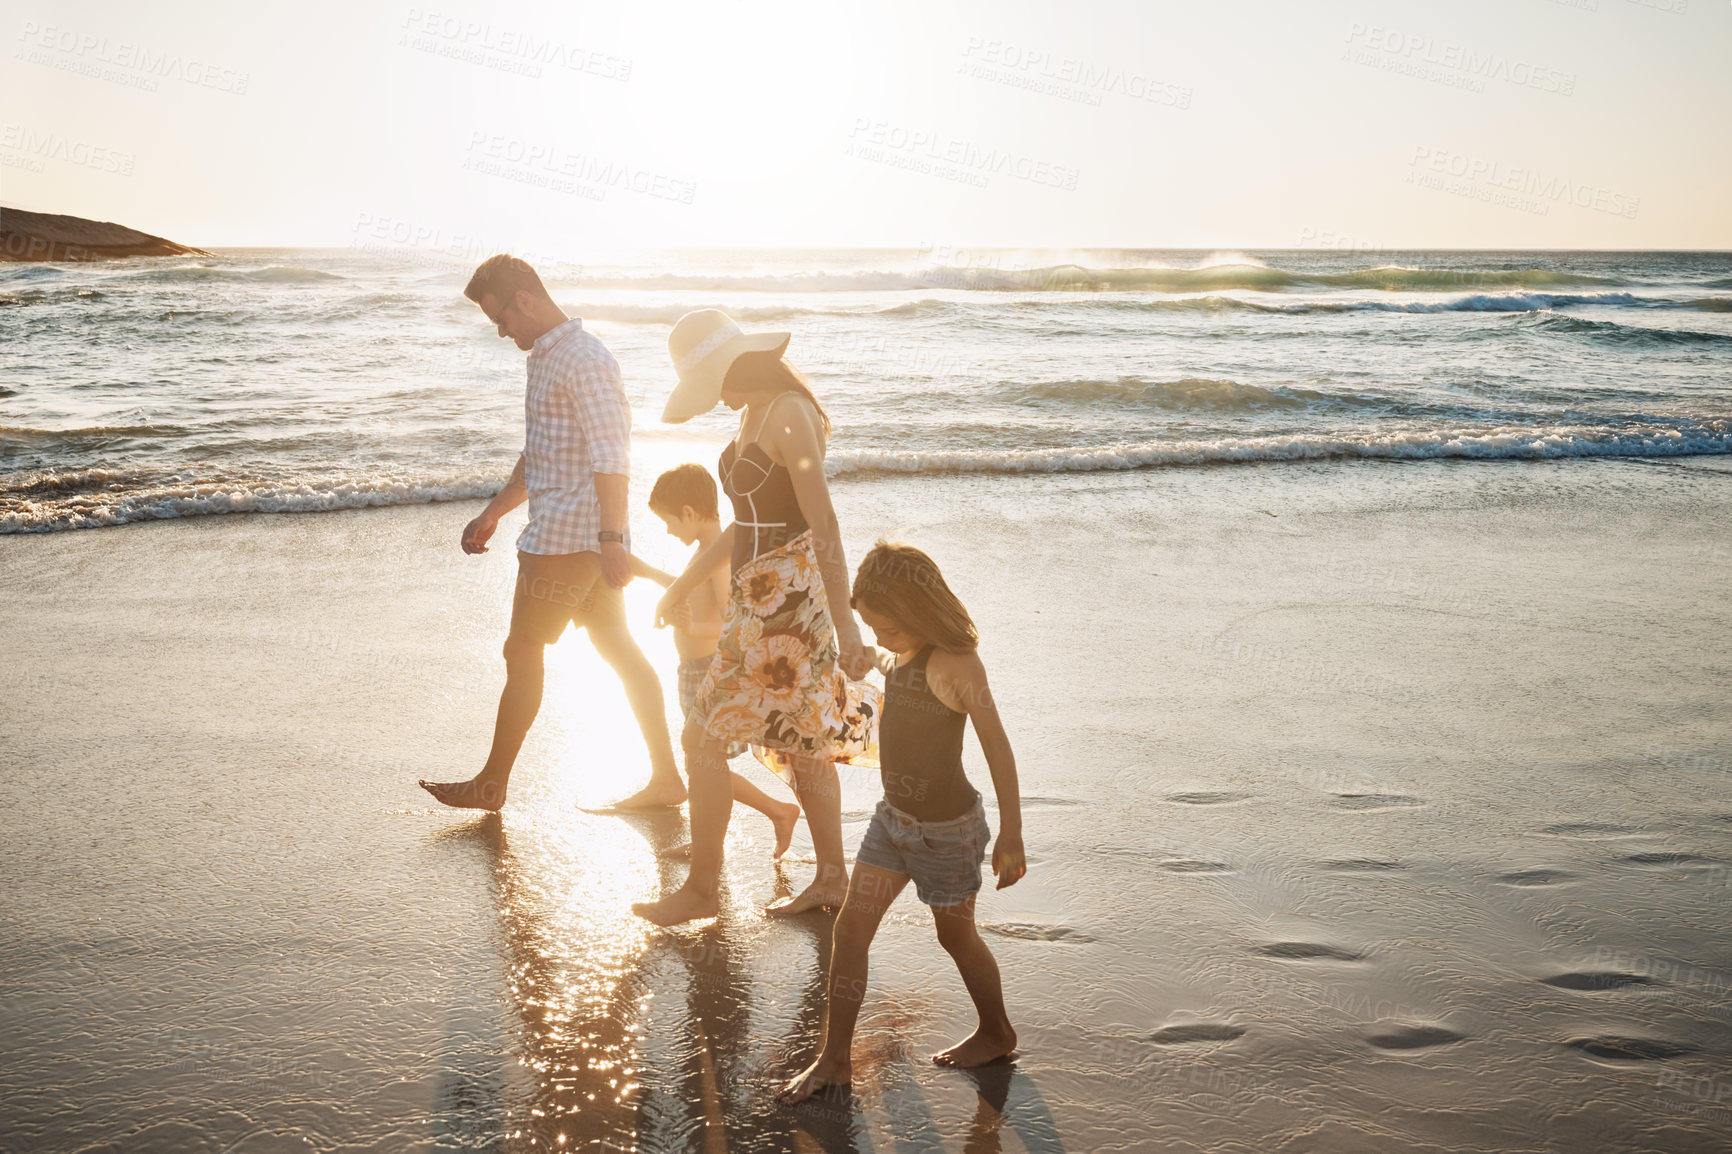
(785, 821)
(979, 1048)
(814, 896)
(476, 793)
(826, 1076)
(683, 905)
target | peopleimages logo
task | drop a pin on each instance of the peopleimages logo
(87, 53)
(882, 141)
(41, 146)
(1525, 181)
(1429, 58)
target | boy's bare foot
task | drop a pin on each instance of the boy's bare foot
(826, 1077)
(683, 905)
(813, 897)
(651, 796)
(476, 793)
(785, 821)
(978, 1049)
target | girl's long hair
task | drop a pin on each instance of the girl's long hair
(769, 373)
(905, 585)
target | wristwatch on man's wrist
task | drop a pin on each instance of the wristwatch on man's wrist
(607, 535)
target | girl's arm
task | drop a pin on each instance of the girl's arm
(702, 564)
(797, 437)
(959, 680)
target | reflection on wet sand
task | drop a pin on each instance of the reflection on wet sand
(634, 1039)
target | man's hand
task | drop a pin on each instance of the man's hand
(477, 533)
(1008, 860)
(616, 564)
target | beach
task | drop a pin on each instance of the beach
(1371, 805)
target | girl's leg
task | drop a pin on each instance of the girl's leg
(821, 797)
(961, 940)
(869, 895)
(712, 803)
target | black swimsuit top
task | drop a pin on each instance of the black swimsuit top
(920, 747)
(766, 512)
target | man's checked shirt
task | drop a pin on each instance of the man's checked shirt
(576, 423)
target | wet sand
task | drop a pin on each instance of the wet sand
(1370, 807)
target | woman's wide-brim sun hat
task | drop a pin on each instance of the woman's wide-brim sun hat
(704, 345)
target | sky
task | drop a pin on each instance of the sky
(573, 128)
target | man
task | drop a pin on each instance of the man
(573, 558)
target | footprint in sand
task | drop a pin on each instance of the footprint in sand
(1629, 1049)
(1047, 802)
(1031, 932)
(1195, 1032)
(1589, 829)
(1372, 801)
(1539, 877)
(1412, 1036)
(1309, 951)
(1193, 866)
(1207, 798)
(1597, 980)
(1674, 860)
(1362, 865)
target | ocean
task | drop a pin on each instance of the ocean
(297, 380)
(1357, 621)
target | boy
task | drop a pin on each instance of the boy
(685, 499)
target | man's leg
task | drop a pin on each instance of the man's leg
(540, 611)
(644, 690)
(519, 702)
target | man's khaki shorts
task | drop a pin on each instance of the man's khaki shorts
(556, 589)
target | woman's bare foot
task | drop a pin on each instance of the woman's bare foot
(813, 897)
(826, 1076)
(979, 1048)
(785, 820)
(655, 795)
(683, 905)
(476, 793)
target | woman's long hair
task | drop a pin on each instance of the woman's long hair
(905, 585)
(769, 373)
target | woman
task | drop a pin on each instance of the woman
(781, 676)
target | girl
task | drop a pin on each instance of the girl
(931, 825)
(780, 677)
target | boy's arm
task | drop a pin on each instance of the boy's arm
(959, 680)
(708, 627)
(642, 568)
(698, 569)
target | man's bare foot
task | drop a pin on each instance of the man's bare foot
(785, 821)
(655, 795)
(813, 897)
(979, 1048)
(825, 1077)
(476, 793)
(683, 905)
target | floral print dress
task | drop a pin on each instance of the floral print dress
(775, 682)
